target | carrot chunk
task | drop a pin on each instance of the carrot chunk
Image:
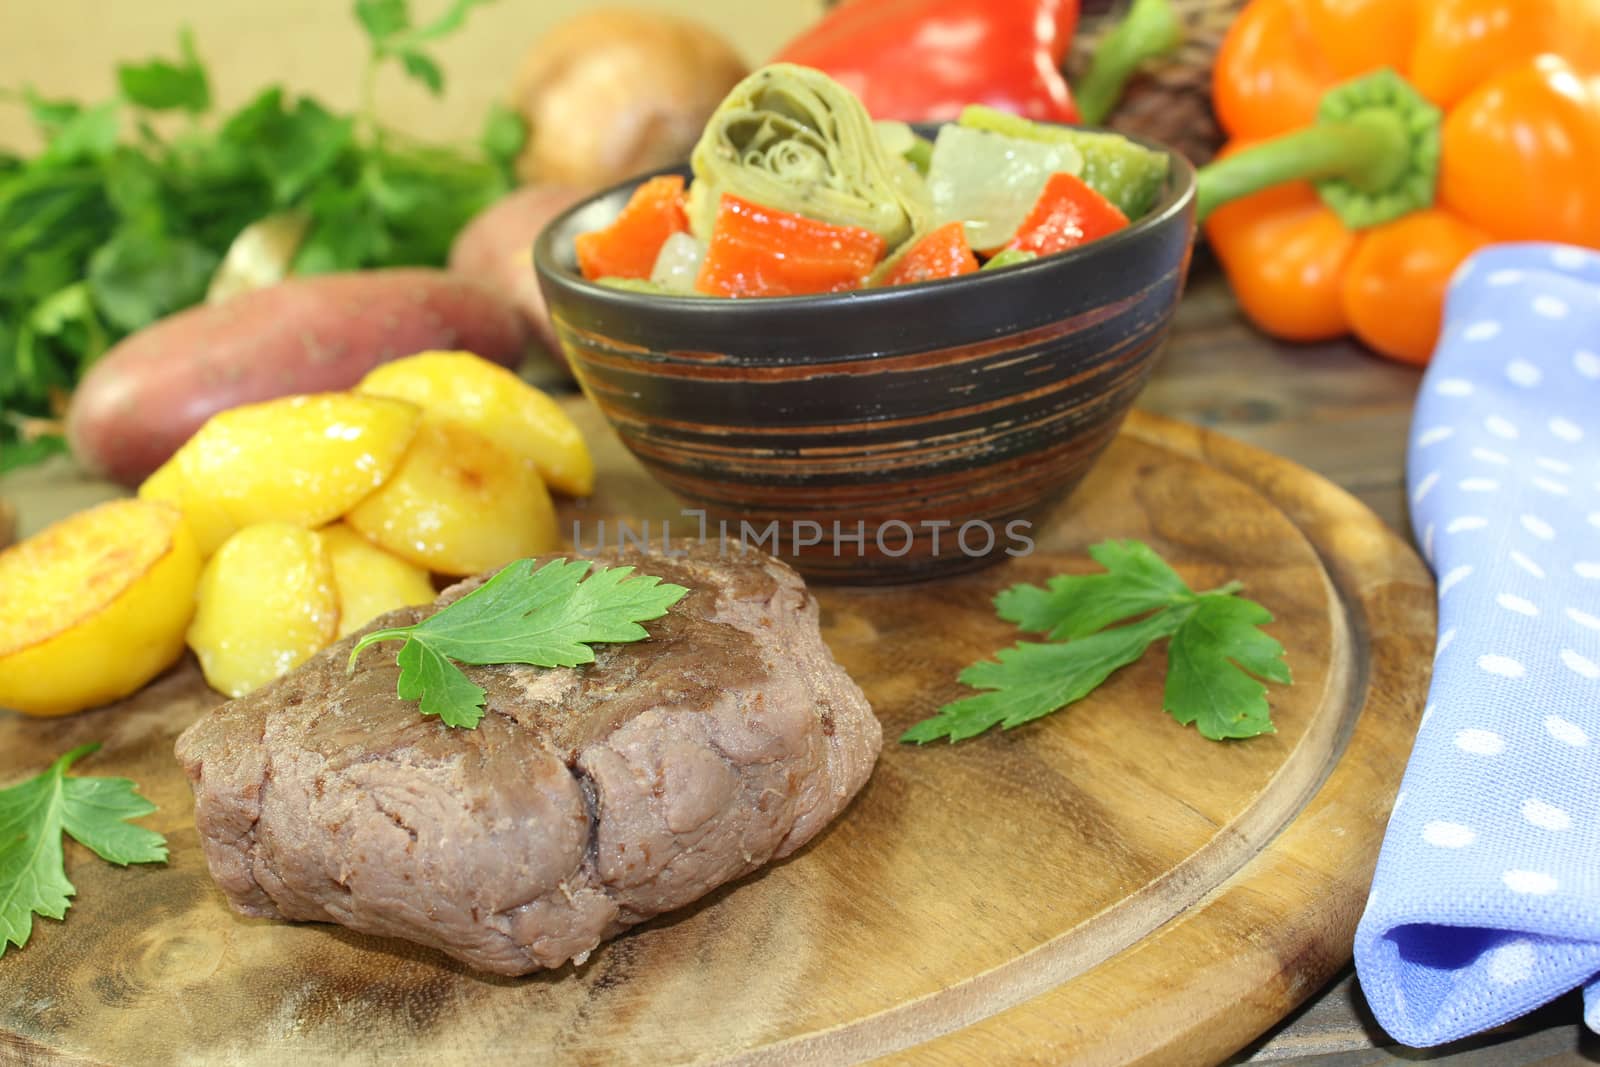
(760, 251)
(940, 253)
(629, 246)
(1067, 214)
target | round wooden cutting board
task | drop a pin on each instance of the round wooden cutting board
(1101, 886)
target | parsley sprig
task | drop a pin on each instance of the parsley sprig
(1215, 656)
(33, 816)
(547, 617)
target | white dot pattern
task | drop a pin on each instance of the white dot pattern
(1511, 963)
(1442, 834)
(1534, 883)
(1568, 733)
(1579, 664)
(1484, 901)
(1502, 427)
(1521, 372)
(1518, 604)
(1538, 527)
(1504, 666)
(1545, 816)
(1480, 742)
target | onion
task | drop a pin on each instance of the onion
(612, 93)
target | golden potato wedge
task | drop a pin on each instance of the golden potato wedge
(95, 606)
(304, 460)
(266, 603)
(497, 403)
(459, 504)
(207, 520)
(368, 580)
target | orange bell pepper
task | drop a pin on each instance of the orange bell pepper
(629, 246)
(761, 251)
(1492, 134)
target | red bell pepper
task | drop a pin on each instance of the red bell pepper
(760, 251)
(924, 60)
(628, 247)
(1067, 214)
(941, 253)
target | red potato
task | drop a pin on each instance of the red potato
(152, 391)
(496, 249)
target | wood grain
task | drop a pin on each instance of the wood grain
(1100, 887)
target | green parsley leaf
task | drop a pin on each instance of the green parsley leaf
(453, 18)
(19, 454)
(1207, 664)
(382, 19)
(158, 85)
(545, 618)
(504, 135)
(1030, 680)
(49, 115)
(89, 133)
(1136, 581)
(1215, 657)
(425, 70)
(33, 816)
(139, 276)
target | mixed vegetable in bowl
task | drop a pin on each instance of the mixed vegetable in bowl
(796, 190)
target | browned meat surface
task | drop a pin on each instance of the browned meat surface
(588, 799)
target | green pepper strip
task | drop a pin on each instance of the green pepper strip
(1373, 155)
(1150, 29)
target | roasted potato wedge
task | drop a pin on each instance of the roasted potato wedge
(207, 519)
(303, 460)
(369, 580)
(459, 504)
(95, 606)
(495, 402)
(266, 603)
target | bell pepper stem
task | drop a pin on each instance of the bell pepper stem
(1150, 29)
(1366, 151)
(1373, 155)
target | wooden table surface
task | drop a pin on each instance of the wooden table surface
(1332, 408)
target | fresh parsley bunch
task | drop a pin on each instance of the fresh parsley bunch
(115, 224)
(1215, 656)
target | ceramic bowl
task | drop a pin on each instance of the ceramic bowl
(881, 435)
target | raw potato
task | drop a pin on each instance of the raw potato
(611, 93)
(496, 249)
(207, 519)
(304, 460)
(460, 504)
(498, 404)
(95, 606)
(153, 390)
(368, 580)
(266, 603)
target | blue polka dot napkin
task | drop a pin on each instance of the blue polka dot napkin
(1486, 900)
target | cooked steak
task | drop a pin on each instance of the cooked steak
(588, 799)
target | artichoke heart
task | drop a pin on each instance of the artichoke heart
(791, 138)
